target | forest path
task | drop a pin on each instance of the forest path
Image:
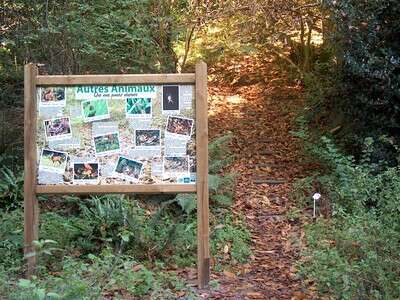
(256, 102)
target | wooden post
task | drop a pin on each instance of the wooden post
(203, 252)
(31, 207)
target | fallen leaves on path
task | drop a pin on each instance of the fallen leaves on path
(255, 102)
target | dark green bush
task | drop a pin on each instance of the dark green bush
(11, 183)
(11, 79)
(365, 41)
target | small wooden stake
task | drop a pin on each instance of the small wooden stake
(31, 207)
(203, 252)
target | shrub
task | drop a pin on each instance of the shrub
(93, 249)
(356, 255)
(364, 71)
(11, 188)
(232, 235)
(105, 275)
(11, 242)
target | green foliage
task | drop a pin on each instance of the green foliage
(78, 37)
(355, 87)
(356, 187)
(301, 190)
(77, 231)
(30, 290)
(356, 256)
(105, 274)
(221, 190)
(11, 242)
(187, 202)
(353, 93)
(231, 233)
(117, 245)
(219, 153)
(220, 186)
(126, 226)
(11, 188)
(11, 182)
(11, 79)
(121, 36)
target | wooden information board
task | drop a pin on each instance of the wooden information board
(99, 134)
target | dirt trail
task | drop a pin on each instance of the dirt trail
(253, 100)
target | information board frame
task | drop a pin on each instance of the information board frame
(32, 80)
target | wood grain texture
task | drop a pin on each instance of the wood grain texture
(115, 79)
(203, 252)
(31, 206)
(116, 189)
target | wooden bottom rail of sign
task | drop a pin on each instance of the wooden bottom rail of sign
(116, 189)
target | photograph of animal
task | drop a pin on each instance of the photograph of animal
(171, 97)
(57, 127)
(147, 137)
(52, 94)
(128, 167)
(86, 171)
(95, 109)
(107, 142)
(176, 164)
(179, 125)
(57, 159)
(53, 160)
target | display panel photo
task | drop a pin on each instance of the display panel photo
(115, 134)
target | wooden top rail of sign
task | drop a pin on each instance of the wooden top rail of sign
(31, 188)
(115, 79)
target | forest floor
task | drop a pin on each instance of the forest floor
(256, 102)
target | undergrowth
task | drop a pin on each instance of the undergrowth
(354, 252)
(118, 246)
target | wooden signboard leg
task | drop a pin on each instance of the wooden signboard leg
(31, 207)
(203, 252)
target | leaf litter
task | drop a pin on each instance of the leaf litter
(253, 100)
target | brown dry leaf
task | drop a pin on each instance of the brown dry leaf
(137, 268)
(299, 296)
(181, 293)
(229, 274)
(255, 295)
